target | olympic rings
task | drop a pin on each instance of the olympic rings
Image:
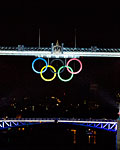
(35, 61)
(76, 60)
(65, 80)
(55, 60)
(45, 78)
(61, 69)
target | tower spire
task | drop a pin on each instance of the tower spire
(57, 43)
(39, 37)
(75, 37)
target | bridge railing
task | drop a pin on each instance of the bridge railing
(69, 119)
(4, 48)
(65, 49)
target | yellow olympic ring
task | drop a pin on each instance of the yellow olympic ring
(52, 77)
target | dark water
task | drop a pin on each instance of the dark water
(54, 137)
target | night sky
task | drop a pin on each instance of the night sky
(20, 24)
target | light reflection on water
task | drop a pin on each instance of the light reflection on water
(77, 137)
(74, 139)
(74, 136)
(92, 139)
(91, 136)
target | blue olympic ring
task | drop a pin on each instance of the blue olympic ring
(35, 61)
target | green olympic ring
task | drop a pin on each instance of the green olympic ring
(65, 80)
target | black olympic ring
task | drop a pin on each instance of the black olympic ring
(60, 61)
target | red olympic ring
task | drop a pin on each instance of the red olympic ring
(76, 60)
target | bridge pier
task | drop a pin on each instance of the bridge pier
(118, 134)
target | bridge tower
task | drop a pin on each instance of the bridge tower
(118, 130)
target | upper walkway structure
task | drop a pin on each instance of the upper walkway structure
(57, 51)
(109, 125)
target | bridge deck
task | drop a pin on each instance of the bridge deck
(65, 53)
(60, 120)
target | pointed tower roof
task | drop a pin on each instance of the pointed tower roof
(57, 43)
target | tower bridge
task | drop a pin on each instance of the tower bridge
(59, 51)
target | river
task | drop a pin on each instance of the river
(56, 136)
